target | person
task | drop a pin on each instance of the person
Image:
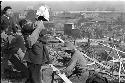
(77, 58)
(36, 55)
(13, 48)
(7, 21)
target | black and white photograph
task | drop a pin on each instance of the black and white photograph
(62, 41)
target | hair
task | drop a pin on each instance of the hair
(41, 18)
(5, 9)
(22, 22)
(26, 29)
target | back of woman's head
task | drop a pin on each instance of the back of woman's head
(26, 29)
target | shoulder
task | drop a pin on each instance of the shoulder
(3, 17)
(78, 52)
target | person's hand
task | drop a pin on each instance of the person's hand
(20, 53)
(67, 73)
(62, 71)
(39, 24)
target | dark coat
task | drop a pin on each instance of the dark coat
(38, 54)
(14, 42)
(18, 42)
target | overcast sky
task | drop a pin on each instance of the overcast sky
(66, 4)
(63, 0)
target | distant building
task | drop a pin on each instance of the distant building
(68, 28)
(112, 15)
(90, 15)
(100, 20)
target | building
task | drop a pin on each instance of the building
(68, 28)
(90, 15)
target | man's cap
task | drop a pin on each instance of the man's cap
(43, 11)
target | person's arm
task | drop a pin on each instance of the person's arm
(35, 34)
(4, 23)
(20, 54)
(73, 62)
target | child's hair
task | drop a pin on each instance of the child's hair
(5, 9)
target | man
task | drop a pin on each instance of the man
(77, 58)
(7, 21)
(36, 54)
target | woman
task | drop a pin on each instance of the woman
(7, 20)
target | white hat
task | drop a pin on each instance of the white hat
(43, 11)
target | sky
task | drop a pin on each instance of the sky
(77, 5)
(63, 0)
